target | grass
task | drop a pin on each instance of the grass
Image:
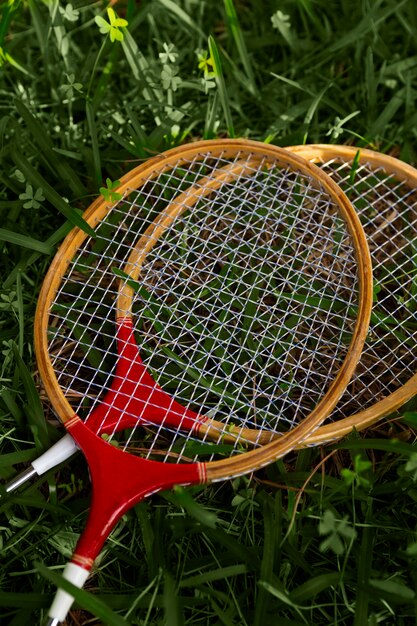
(329, 535)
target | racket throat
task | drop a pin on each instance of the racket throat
(119, 481)
(135, 397)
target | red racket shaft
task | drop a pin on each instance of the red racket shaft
(135, 396)
(119, 481)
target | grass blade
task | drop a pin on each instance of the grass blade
(25, 600)
(6, 16)
(23, 456)
(183, 499)
(211, 116)
(94, 143)
(237, 34)
(221, 85)
(26, 262)
(272, 531)
(315, 585)
(60, 166)
(34, 408)
(182, 15)
(364, 594)
(173, 613)
(15, 411)
(24, 241)
(388, 113)
(218, 574)
(313, 108)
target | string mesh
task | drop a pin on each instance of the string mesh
(387, 207)
(244, 307)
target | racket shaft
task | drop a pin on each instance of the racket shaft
(140, 478)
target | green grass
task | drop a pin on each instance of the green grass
(302, 542)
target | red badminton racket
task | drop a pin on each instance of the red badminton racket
(239, 280)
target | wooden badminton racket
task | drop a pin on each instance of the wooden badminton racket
(210, 325)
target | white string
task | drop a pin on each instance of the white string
(254, 291)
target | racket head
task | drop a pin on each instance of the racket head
(225, 152)
(383, 190)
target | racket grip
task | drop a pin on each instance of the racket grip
(63, 601)
(59, 452)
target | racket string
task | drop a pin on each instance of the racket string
(167, 323)
(269, 220)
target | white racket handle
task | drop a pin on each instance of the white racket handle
(60, 451)
(63, 601)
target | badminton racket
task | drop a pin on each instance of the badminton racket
(222, 303)
(383, 191)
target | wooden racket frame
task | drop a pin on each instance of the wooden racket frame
(319, 153)
(253, 459)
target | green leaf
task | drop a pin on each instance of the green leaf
(108, 192)
(111, 27)
(281, 21)
(114, 19)
(69, 13)
(53, 196)
(102, 24)
(336, 530)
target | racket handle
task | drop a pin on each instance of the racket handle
(59, 452)
(63, 601)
